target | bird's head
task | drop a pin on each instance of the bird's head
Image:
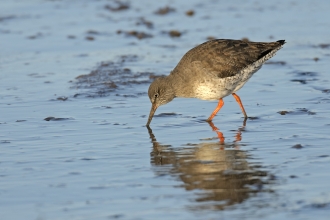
(160, 93)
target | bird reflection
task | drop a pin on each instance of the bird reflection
(217, 168)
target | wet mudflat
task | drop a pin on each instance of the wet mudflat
(74, 79)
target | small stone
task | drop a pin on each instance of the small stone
(283, 112)
(297, 146)
(90, 38)
(190, 13)
(245, 39)
(164, 11)
(174, 33)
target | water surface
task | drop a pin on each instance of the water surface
(74, 78)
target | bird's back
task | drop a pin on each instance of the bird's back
(220, 67)
(225, 58)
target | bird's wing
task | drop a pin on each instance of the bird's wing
(224, 58)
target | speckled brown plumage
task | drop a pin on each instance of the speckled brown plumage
(226, 58)
(211, 71)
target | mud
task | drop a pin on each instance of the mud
(109, 76)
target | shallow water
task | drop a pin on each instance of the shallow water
(74, 78)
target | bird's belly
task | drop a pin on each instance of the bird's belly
(205, 92)
(214, 89)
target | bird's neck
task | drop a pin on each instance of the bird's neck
(173, 83)
(180, 86)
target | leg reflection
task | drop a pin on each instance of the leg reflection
(238, 136)
(219, 133)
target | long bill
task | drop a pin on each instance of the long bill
(152, 112)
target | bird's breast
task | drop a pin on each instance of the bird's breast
(215, 89)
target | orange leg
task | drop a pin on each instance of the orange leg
(220, 104)
(238, 100)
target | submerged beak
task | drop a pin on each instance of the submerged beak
(152, 112)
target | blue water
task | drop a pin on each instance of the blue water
(99, 161)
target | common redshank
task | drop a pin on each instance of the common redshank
(211, 71)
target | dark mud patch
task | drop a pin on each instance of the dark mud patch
(35, 36)
(106, 107)
(109, 76)
(283, 112)
(304, 77)
(320, 205)
(143, 21)
(323, 90)
(138, 34)
(301, 81)
(309, 74)
(88, 158)
(164, 10)
(174, 33)
(36, 75)
(8, 17)
(168, 46)
(70, 36)
(60, 98)
(297, 146)
(293, 176)
(56, 119)
(253, 118)
(322, 46)
(282, 63)
(90, 38)
(298, 111)
(128, 95)
(190, 13)
(98, 187)
(116, 6)
(305, 111)
(92, 34)
(170, 114)
(116, 216)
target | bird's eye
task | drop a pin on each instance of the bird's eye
(156, 95)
